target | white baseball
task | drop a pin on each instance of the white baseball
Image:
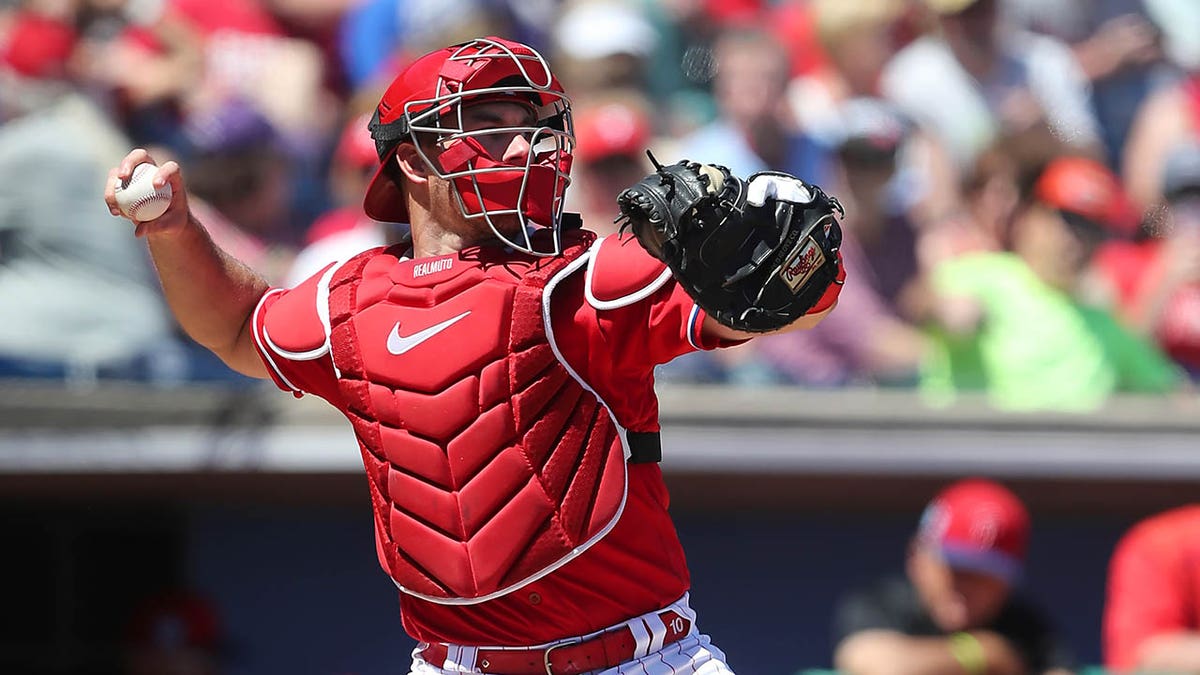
(138, 198)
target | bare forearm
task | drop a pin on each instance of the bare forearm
(211, 294)
(713, 328)
(1171, 653)
(880, 652)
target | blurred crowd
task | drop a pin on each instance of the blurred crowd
(1021, 177)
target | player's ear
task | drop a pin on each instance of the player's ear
(411, 163)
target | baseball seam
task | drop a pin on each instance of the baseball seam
(137, 204)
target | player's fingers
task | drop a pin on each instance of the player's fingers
(110, 192)
(135, 157)
(170, 173)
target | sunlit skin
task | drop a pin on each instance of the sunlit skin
(957, 600)
(511, 148)
(1057, 252)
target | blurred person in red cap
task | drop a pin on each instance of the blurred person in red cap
(1154, 278)
(176, 632)
(76, 296)
(1023, 324)
(613, 130)
(1150, 619)
(957, 609)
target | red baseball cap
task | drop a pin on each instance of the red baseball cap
(355, 146)
(1087, 188)
(610, 129)
(977, 525)
(37, 46)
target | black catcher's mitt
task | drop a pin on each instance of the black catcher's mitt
(756, 254)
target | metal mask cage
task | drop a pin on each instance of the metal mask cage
(551, 137)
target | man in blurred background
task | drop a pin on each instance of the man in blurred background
(76, 296)
(976, 78)
(612, 130)
(1018, 324)
(956, 610)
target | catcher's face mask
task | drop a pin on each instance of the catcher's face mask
(427, 101)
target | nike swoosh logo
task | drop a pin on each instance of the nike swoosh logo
(398, 344)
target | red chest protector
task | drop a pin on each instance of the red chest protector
(490, 462)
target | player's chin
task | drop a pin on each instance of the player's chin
(510, 225)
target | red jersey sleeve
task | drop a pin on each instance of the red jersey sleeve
(1146, 596)
(615, 346)
(292, 337)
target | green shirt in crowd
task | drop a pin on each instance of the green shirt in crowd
(1036, 348)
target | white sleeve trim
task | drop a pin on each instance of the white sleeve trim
(692, 329)
(622, 301)
(266, 349)
(322, 315)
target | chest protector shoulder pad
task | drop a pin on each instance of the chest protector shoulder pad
(490, 463)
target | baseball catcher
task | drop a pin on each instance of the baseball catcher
(755, 254)
(497, 366)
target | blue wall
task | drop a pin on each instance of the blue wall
(301, 592)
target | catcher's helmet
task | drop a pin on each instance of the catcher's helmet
(428, 98)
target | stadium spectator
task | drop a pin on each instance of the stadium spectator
(613, 130)
(859, 39)
(957, 609)
(1167, 118)
(374, 34)
(755, 129)
(1155, 282)
(868, 342)
(1150, 619)
(603, 44)
(144, 58)
(976, 79)
(76, 295)
(1118, 47)
(241, 177)
(344, 230)
(1016, 324)
(175, 632)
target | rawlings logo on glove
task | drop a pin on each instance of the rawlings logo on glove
(756, 254)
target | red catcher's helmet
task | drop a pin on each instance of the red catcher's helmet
(428, 97)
